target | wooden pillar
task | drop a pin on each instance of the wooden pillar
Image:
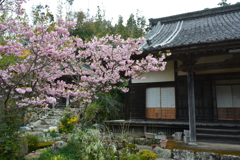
(67, 101)
(191, 107)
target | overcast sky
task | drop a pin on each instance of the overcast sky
(148, 8)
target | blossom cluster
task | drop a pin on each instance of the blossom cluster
(34, 60)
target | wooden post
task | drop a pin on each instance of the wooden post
(67, 101)
(144, 128)
(191, 107)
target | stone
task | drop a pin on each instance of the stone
(58, 145)
(162, 153)
(206, 156)
(33, 155)
(53, 127)
(229, 157)
(120, 145)
(37, 123)
(130, 139)
(183, 154)
(177, 136)
(57, 138)
(149, 141)
(44, 122)
(140, 141)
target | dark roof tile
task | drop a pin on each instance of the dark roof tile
(207, 26)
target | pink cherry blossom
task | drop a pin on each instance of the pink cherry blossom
(20, 90)
(28, 89)
(51, 100)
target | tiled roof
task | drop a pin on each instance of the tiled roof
(206, 26)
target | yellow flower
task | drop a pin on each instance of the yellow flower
(60, 126)
(25, 53)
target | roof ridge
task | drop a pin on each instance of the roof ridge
(196, 14)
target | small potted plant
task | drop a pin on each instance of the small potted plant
(155, 143)
(163, 143)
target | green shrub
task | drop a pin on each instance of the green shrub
(48, 154)
(124, 156)
(67, 123)
(11, 120)
(92, 147)
(32, 142)
(53, 133)
(94, 112)
(72, 150)
(148, 155)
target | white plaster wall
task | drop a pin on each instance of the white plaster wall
(160, 76)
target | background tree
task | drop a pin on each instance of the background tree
(85, 26)
(224, 3)
(99, 26)
(42, 14)
(120, 28)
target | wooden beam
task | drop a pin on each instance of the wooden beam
(211, 66)
(191, 107)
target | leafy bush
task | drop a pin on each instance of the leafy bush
(124, 156)
(53, 133)
(32, 142)
(93, 147)
(113, 102)
(48, 154)
(11, 120)
(148, 155)
(67, 123)
(143, 155)
(72, 150)
(94, 113)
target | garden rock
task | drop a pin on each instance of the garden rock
(107, 137)
(130, 139)
(37, 123)
(120, 145)
(162, 153)
(183, 154)
(229, 157)
(34, 155)
(206, 156)
(140, 141)
(58, 145)
(149, 141)
(53, 127)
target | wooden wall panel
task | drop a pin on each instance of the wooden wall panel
(226, 113)
(161, 113)
(153, 113)
(168, 113)
(237, 113)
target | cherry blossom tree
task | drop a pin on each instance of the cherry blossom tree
(34, 58)
(103, 63)
(31, 58)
